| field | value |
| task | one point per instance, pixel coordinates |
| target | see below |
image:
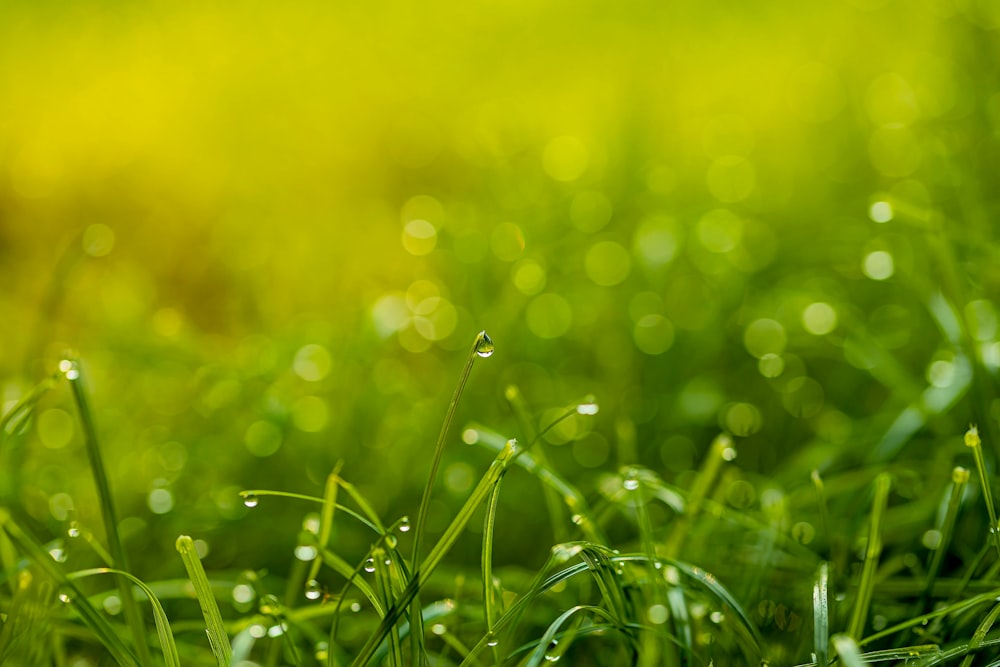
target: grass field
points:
(483, 334)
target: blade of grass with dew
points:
(980, 634)
(166, 637)
(489, 523)
(542, 650)
(482, 346)
(420, 575)
(959, 478)
(217, 637)
(973, 441)
(848, 650)
(253, 496)
(133, 617)
(873, 552)
(95, 621)
(821, 616)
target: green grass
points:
(644, 596)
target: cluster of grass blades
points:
(630, 580)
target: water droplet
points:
(587, 408)
(250, 499)
(313, 590)
(73, 530)
(484, 346)
(492, 640)
(716, 617)
(550, 652)
(370, 565)
(58, 554)
(306, 552)
(70, 369)
(631, 481)
(388, 561)
(577, 519)
(65, 598)
(404, 524)
(355, 607)
(439, 629)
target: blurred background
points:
(272, 232)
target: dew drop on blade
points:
(404, 524)
(492, 640)
(313, 590)
(484, 346)
(250, 499)
(370, 565)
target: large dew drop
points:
(250, 499)
(370, 565)
(484, 346)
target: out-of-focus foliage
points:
(272, 230)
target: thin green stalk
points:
(252, 496)
(217, 636)
(872, 554)
(972, 441)
(482, 346)
(133, 617)
(489, 610)
(959, 478)
(383, 584)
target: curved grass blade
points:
(250, 495)
(545, 650)
(973, 442)
(489, 590)
(90, 616)
(217, 636)
(166, 637)
(10, 420)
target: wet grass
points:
(639, 571)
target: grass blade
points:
(325, 526)
(872, 554)
(217, 637)
(821, 616)
(482, 346)
(973, 442)
(959, 478)
(489, 610)
(71, 368)
(166, 637)
(980, 634)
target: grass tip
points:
(972, 436)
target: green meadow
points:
(499, 334)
